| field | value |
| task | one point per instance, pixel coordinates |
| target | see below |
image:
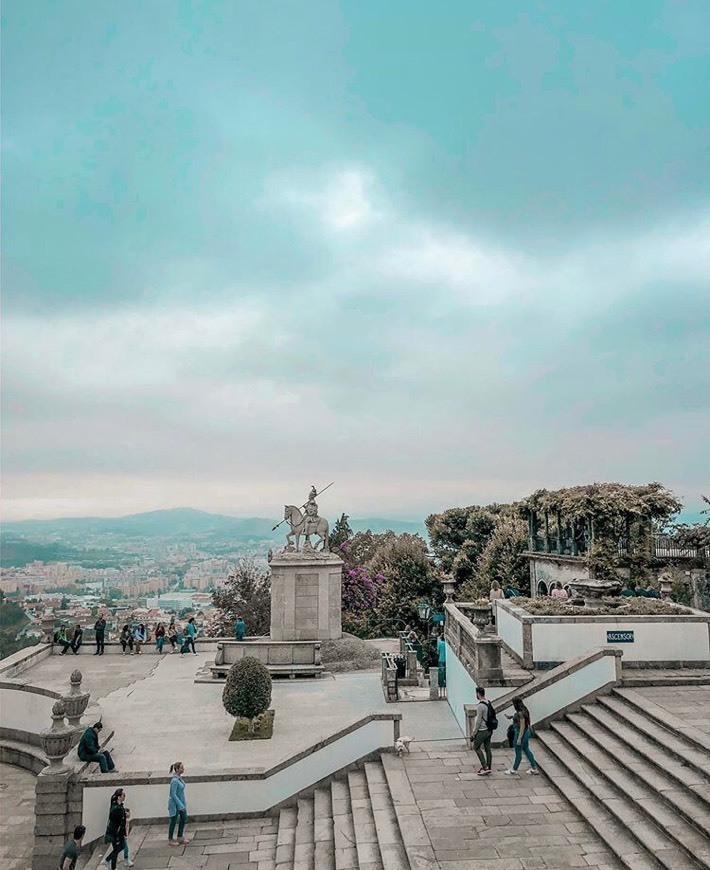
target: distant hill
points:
(180, 523)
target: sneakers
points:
(129, 863)
(174, 843)
(533, 772)
(511, 772)
(483, 771)
(183, 841)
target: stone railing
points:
(551, 694)
(478, 651)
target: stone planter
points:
(57, 740)
(481, 617)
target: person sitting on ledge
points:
(89, 749)
(630, 590)
(496, 593)
(558, 591)
(77, 639)
(650, 592)
(511, 592)
(60, 637)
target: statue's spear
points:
(273, 529)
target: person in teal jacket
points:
(89, 749)
(177, 805)
(240, 628)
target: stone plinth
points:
(489, 669)
(306, 596)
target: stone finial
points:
(449, 585)
(57, 740)
(76, 702)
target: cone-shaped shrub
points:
(247, 691)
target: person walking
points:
(522, 732)
(483, 728)
(89, 749)
(77, 639)
(139, 637)
(240, 628)
(177, 805)
(60, 637)
(108, 838)
(126, 639)
(172, 634)
(100, 629)
(72, 848)
(116, 829)
(191, 634)
(159, 636)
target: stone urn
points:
(481, 616)
(57, 740)
(449, 585)
(47, 625)
(666, 587)
(76, 702)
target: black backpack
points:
(491, 718)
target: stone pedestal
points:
(489, 668)
(306, 598)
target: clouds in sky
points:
(233, 270)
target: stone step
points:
(635, 805)
(368, 851)
(409, 818)
(675, 744)
(389, 839)
(651, 751)
(286, 838)
(659, 784)
(323, 829)
(343, 827)
(608, 828)
(676, 726)
(304, 849)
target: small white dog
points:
(401, 745)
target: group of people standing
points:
(180, 638)
(118, 826)
(519, 734)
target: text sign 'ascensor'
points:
(619, 637)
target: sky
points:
(439, 253)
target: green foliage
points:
(340, 534)
(247, 593)
(247, 691)
(607, 502)
(12, 620)
(502, 559)
(459, 537)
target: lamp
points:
(424, 611)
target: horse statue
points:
(305, 525)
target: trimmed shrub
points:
(247, 691)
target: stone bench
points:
(219, 672)
(280, 657)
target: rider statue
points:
(306, 524)
(311, 513)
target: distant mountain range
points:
(183, 522)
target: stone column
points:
(434, 684)
(306, 595)
(489, 669)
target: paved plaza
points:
(17, 817)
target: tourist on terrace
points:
(106, 860)
(496, 593)
(100, 629)
(72, 849)
(511, 592)
(558, 591)
(88, 749)
(522, 732)
(177, 805)
(630, 590)
(650, 592)
(190, 633)
(240, 628)
(116, 829)
(77, 638)
(60, 637)
(172, 634)
(140, 636)
(126, 639)
(159, 636)
(482, 733)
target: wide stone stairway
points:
(637, 776)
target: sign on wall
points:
(619, 637)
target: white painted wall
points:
(653, 641)
(240, 796)
(25, 711)
(510, 630)
(461, 688)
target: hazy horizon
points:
(441, 255)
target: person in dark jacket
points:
(77, 638)
(89, 749)
(100, 629)
(116, 827)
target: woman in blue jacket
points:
(177, 805)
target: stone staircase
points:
(640, 783)
(347, 824)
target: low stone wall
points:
(25, 711)
(646, 641)
(14, 665)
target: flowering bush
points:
(360, 589)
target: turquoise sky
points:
(442, 253)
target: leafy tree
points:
(341, 533)
(247, 593)
(361, 589)
(247, 691)
(502, 559)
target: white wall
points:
(240, 796)
(510, 630)
(25, 711)
(461, 688)
(653, 641)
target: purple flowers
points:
(360, 589)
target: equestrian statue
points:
(306, 524)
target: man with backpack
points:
(484, 725)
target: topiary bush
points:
(247, 691)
